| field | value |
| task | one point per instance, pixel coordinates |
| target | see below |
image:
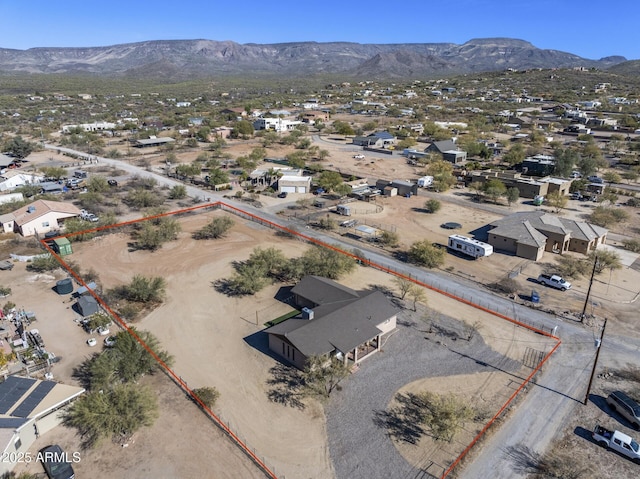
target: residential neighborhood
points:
(198, 231)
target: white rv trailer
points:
(469, 246)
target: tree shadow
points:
(404, 421)
(285, 386)
(82, 372)
(524, 460)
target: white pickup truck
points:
(617, 441)
(85, 215)
(554, 281)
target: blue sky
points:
(589, 28)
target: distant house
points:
(449, 151)
(293, 181)
(275, 124)
(39, 217)
(530, 234)
(12, 179)
(379, 139)
(335, 321)
(313, 117)
(29, 408)
(153, 141)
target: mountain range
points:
(183, 59)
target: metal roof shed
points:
(62, 246)
(87, 305)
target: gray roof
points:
(538, 219)
(523, 233)
(87, 305)
(583, 231)
(321, 290)
(154, 141)
(445, 145)
(5, 160)
(343, 324)
(385, 135)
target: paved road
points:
(558, 389)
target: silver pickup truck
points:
(554, 281)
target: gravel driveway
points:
(358, 446)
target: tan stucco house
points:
(335, 321)
(38, 218)
(530, 234)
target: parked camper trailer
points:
(425, 181)
(469, 246)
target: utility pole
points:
(586, 300)
(595, 363)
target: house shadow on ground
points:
(482, 233)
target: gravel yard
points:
(359, 444)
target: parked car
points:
(595, 179)
(112, 182)
(56, 463)
(85, 215)
(282, 194)
(110, 341)
(92, 342)
(625, 406)
(358, 157)
(554, 281)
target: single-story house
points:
(379, 139)
(292, 181)
(29, 408)
(449, 151)
(153, 141)
(530, 234)
(335, 321)
(39, 217)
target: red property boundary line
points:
(256, 218)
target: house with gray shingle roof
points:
(530, 234)
(449, 150)
(335, 320)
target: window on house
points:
(18, 444)
(45, 224)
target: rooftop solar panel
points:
(11, 390)
(29, 403)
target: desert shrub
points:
(208, 395)
(42, 264)
(632, 245)
(432, 206)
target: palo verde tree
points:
(216, 228)
(442, 172)
(322, 375)
(425, 254)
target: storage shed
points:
(87, 305)
(62, 246)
